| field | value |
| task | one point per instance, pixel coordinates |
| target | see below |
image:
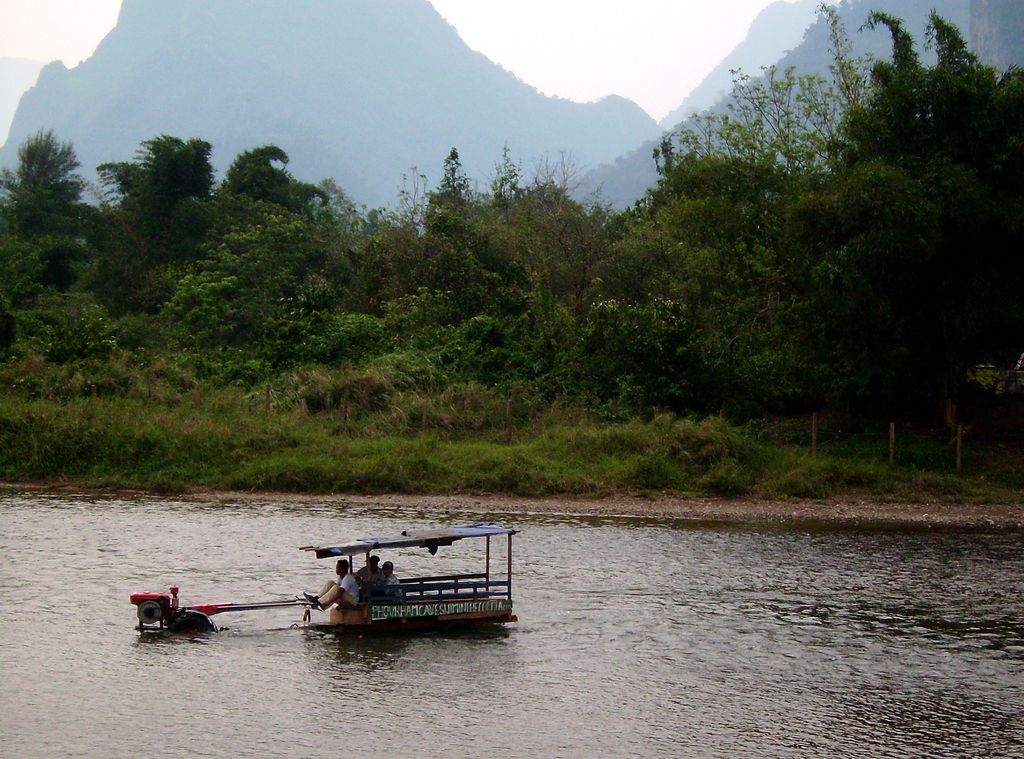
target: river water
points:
(635, 639)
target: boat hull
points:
(401, 618)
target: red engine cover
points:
(162, 598)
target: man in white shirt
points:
(344, 592)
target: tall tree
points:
(162, 192)
(920, 230)
(156, 220)
(454, 189)
(505, 186)
(43, 191)
(261, 174)
(42, 204)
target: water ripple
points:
(635, 640)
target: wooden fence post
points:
(814, 434)
(892, 443)
(267, 399)
(508, 420)
(959, 448)
(423, 421)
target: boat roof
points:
(429, 539)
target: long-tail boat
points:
(436, 602)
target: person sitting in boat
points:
(344, 592)
(390, 579)
(371, 574)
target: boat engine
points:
(152, 609)
(150, 612)
(159, 611)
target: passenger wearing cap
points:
(390, 579)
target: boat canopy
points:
(429, 539)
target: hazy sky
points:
(651, 51)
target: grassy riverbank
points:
(228, 440)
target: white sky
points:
(651, 51)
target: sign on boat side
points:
(440, 609)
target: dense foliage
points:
(854, 242)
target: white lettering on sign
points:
(442, 608)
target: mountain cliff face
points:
(358, 90)
(777, 29)
(625, 181)
(814, 53)
(997, 32)
(16, 76)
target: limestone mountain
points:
(997, 32)
(357, 90)
(776, 30)
(16, 76)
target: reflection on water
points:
(636, 639)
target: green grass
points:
(226, 439)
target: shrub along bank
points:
(464, 440)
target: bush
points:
(653, 471)
(410, 370)
(35, 377)
(324, 339)
(231, 367)
(727, 478)
(822, 477)
(28, 377)
(325, 390)
(140, 332)
(75, 330)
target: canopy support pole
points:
(510, 566)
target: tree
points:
(21, 271)
(505, 187)
(255, 174)
(42, 206)
(162, 192)
(715, 237)
(919, 232)
(856, 240)
(340, 211)
(154, 222)
(262, 265)
(454, 190)
(781, 120)
(564, 244)
(44, 191)
(642, 356)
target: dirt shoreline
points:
(849, 511)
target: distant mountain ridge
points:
(16, 76)
(626, 180)
(997, 31)
(777, 29)
(357, 90)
